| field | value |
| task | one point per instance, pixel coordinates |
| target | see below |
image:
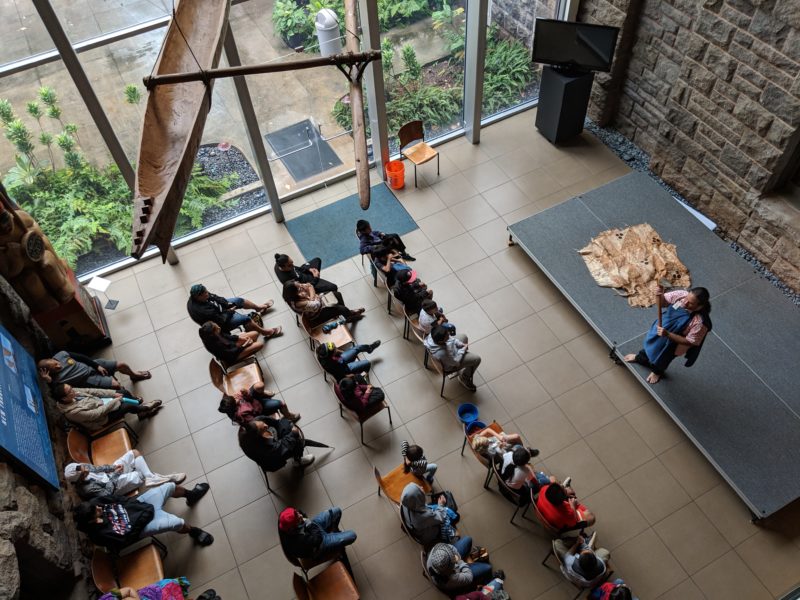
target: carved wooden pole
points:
(357, 105)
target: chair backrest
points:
(217, 375)
(300, 587)
(510, 493)
(135, 569)
(555, 532)
(381, 273)
(494, 426)
(413, 325)
(79, 446)
(103, 571)
(437, 364)
(411, 132)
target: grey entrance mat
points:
(302, 150)
(739, 403)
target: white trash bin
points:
(327, 26)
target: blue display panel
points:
(23, 425)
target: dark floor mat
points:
(302, 150)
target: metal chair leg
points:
(489, 474)
(388, 301)
(362, 432)
(415, 174)
(437, 164)
(425, 360)
(341, 412)
(515, 514)
(444, 378)
(463, 445)
(549, 554)
(389, 410)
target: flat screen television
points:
(574, 46)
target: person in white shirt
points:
(452, 352)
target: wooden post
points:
(357, 106)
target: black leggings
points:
(658, 369)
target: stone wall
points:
(711, 90)
(40, 552)
(517, 17)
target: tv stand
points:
(563, 100)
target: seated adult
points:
(616, 590)
(246, 405)
(318, 309)
(93, 409)
(518, 473)
(229, 348)
(316, 538)
(409, 290)
(452, 352)
(341, 363)
(560, 508)
(429, 523)
(448, 571)
(81, 371)
(286, 270)
(369, 240)
(390, 263)
(204, 306)
(272, 442)
(358, 396)
(128, 473)
(118, 521)
(490, 444)
(580, 564)
(431, 315)
(165, 589)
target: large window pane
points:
(510, 79)
(21, 31)
(84, 19)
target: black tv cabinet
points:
(563, 100)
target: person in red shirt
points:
(561, 509)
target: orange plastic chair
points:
(101, 449)
(418, 153)
(135, 570)
(497, 428)
(238, 377)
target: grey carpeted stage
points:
(740, 402)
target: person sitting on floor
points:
(341, 363)
(317, 538)
(580, 564)
(285, 270)
(118, 521)
(452, 352)
(390, 263)
(81, 371)
(414, 461)
(560, 508)
(616, 590)
(431, 315)
(429, 523)
(448, 571)
(204, 306)
(409, 290)
(128, 473)
(229, 348)
(489, 443)
(357, 396)
(369, 240)
(318, 309)
(517, 472)
(93, 409)
(270, 443)
(246, 405)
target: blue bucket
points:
(467, 413)
(473, 427)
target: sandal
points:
(203, 538)
(274, 332)
(141, 376)
(267, 305)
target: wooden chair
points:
(511, 495)
(136, 569)
(362, 418)
(237, 377)
(340, 335)
(334, 583)
(497, 428)
(439, 368)
(412, 326)
(98, 449)
(395, 480)
(418, 153)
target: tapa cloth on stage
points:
(630, 259)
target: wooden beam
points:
(357, 106)
(348, 58)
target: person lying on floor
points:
(118, 521)
(409, 290)
(369, 240)
(229, 348)
(81, 371)
(429, 523)
(286, 270)
(127, 474)
(204, 306)
(341, 363)
(93, 409)
(246, 405)
(318, 309)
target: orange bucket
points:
(396, 174)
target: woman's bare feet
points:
(629, 358)
(653, 378)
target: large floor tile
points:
(647, 565)
(441, 226)
(411, 395)
(178, 339)
(305, 493)
(454, 190)
(622, 389)
(690, 468)
(268, 571)
(654, 491)
(482, 278)
(557, 371)
(237, 484)
(564, 321)
(517, 557)
(376, 523)
(619, 447)
(178, 457)
(473, 212)
(497, 356)
(728, 513)
(200, 407)
(229, 586)
(655, 426)
(129, 324)
(348, 479)
(729, 577)
(538, 291)
(591, 353)
(505, 306)
(547, 428)
(168, 426)
(141, 354)
(587, 407)
(200, 565)
(461, 251)
(184, 370)
(519, 391)
(234, 249)
(252, 530)
(438, 432)
(396, 571)
(531, 337)
(579, 462)
(449, 293)
(312, 398)
(217, 445)
(398, 358)
(485, 176)
(514, 263)
(472, 321)
(250, 275)
(618, 519)
(293, 365)
(168, 307)
(492, 236)
(335, 431)
(691, 538)
(505, 198)
(773, 557)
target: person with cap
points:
(316, 538)
(341, 363)
(451, 574)
(270, 443)
(93, 409)
(409, 289)
(580, 563)
(286, 270)
(369, 240)
(317, 308)
(247, 404)
(81, 371)
(204, 306)
(452, 352)
(128, 473)
(117, 521)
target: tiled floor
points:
(675, 529)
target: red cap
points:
(289, 519)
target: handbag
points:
(256, 318)
(450, 500)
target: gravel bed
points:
(639, 160)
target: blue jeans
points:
(349, 357)
(481, 571)
(333, 541)
(236, 319)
